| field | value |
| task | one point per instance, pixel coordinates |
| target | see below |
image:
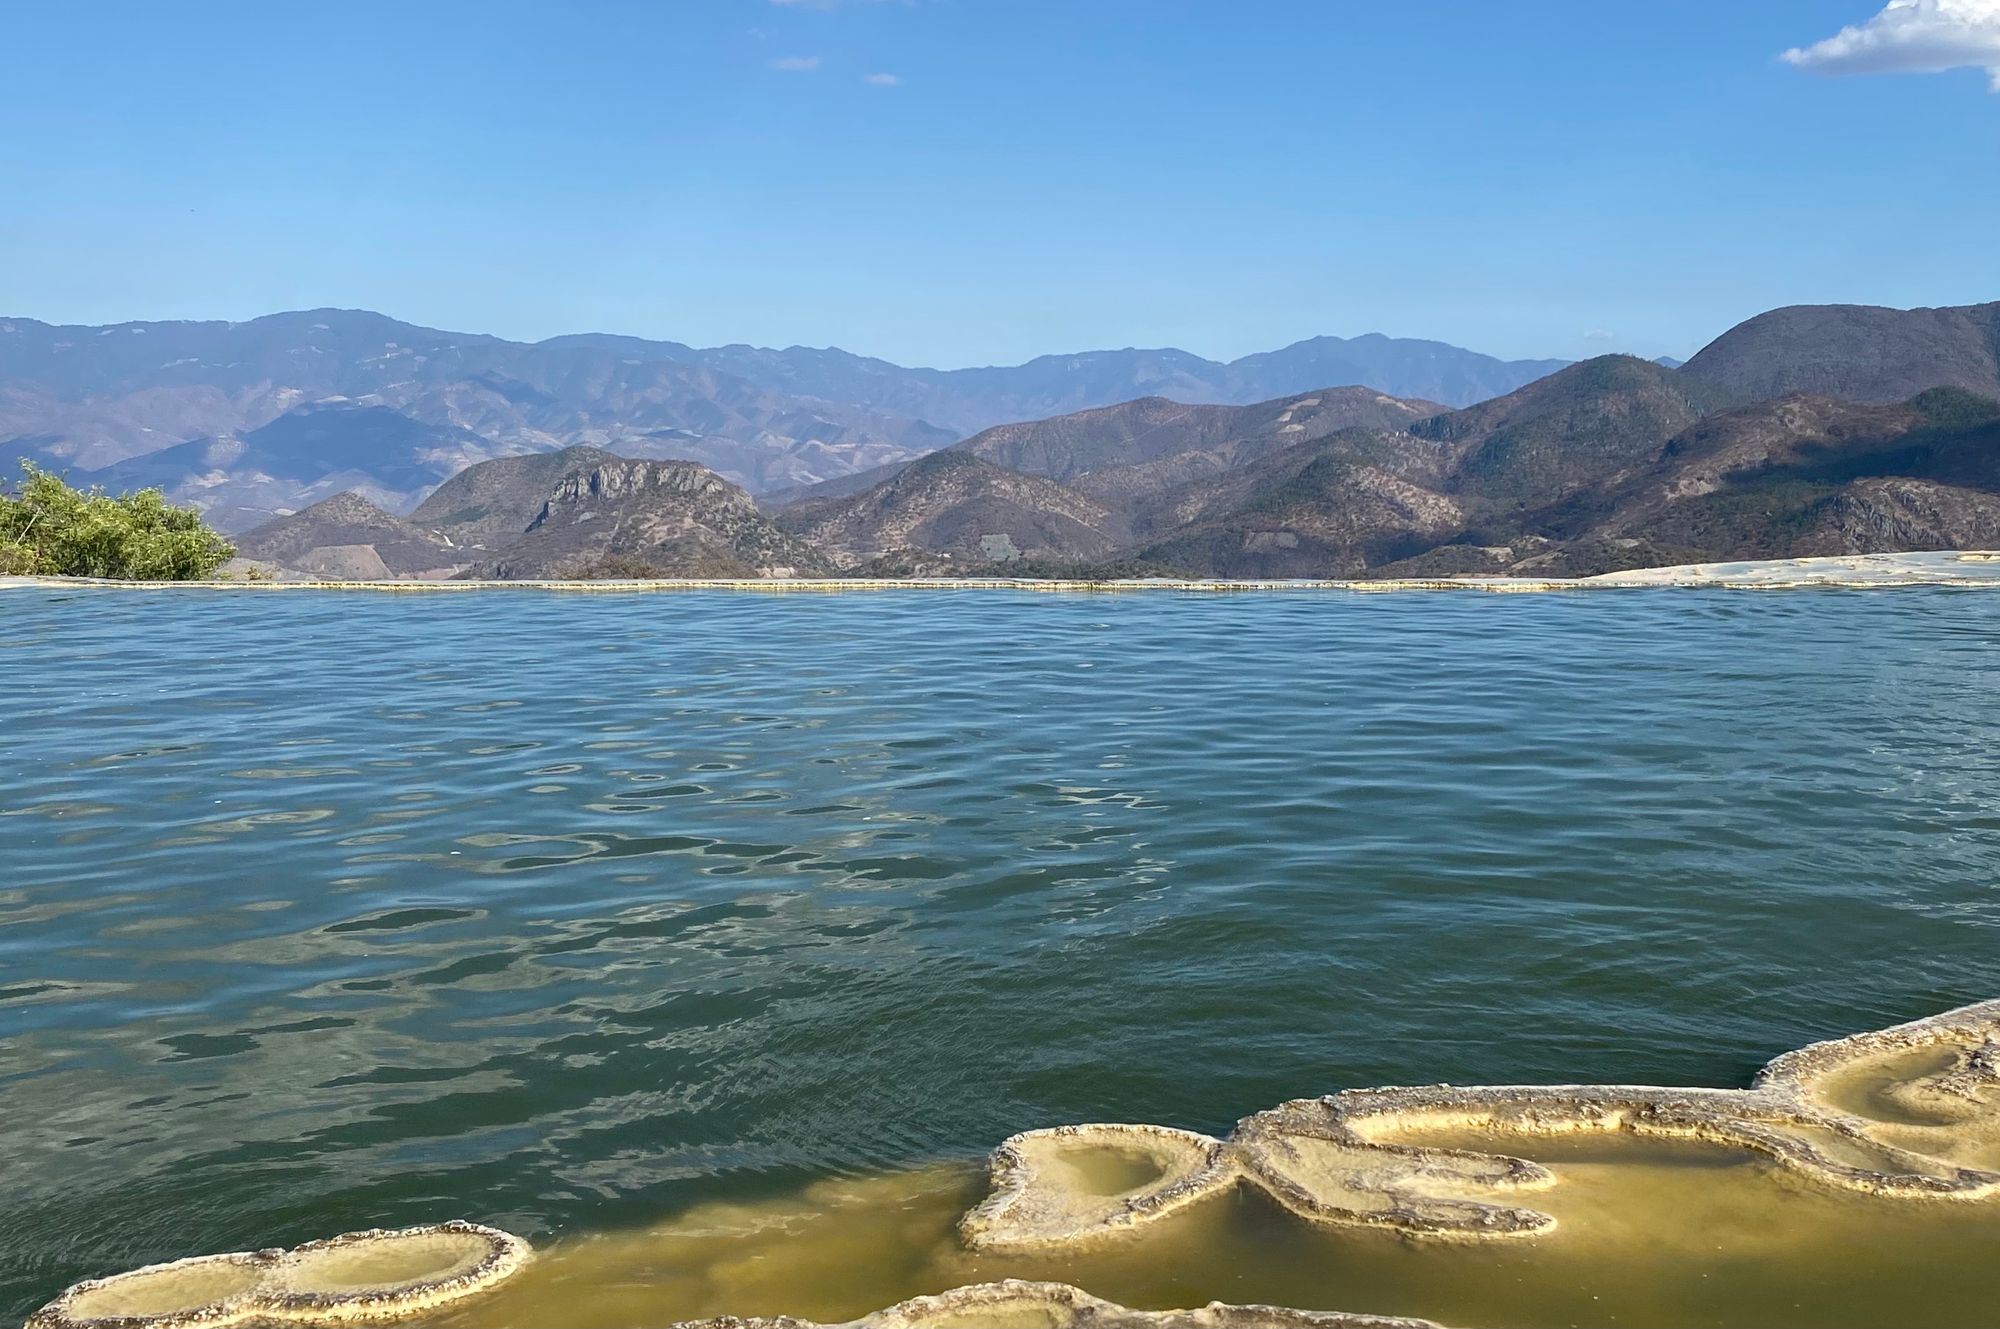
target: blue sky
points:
(1547, 177)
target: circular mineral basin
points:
(1105, 1171)
(386, 1264)
(171, 1289)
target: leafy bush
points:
(49, 529)
(1955, 408)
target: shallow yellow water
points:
(172, 1290)
(1108, 1172)
(1650, 1234)
(372, 1265)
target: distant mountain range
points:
(250, 420)
(1807, 430)
(325, 447)
(1614, 462)
(969, 400)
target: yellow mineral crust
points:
(1015, 1303)
(1073, 1182)
(1911, 1112)
(358, 1277)
(1906, 1114)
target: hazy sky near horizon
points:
(956, 182)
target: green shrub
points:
(49, 529)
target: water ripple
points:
(322, 912)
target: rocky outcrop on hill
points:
(491, 505)
(655, 518)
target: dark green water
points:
(325, 911)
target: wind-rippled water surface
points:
(567, 913)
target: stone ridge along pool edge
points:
(1977, 569)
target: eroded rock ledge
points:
(1907, 1113)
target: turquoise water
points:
(325, 911)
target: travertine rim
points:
(1334, 1159)
(1894, 1114)
(276, 1298)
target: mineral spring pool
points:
(710, 941)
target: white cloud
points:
(883, 80)
(1912, 37)
(1600, 334)
(796, 64)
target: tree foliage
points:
(49, 529)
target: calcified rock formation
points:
(1052, 1184)
(358, 1277)
(1911, 1112)
(1060, 1306)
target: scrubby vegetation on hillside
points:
(49, 529)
